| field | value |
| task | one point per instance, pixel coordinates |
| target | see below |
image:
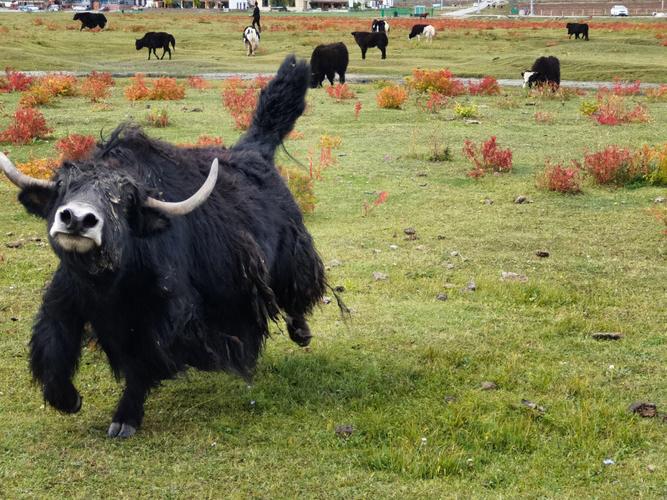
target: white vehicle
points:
(80, 7)
(619, 10)
(28, 8)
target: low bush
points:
(158, 119)
(357, 109)
(613, 165)
(487, 157)
(198, 83)
(340, 92)
(15, 81)
(137, 90)
(27, 124)
(487, 86)
(240, 99)
(544, 117)
(434, 103)
(440, 81)
(466, 110)
(613, 109)
(302, 187)
(561, 179)
(42, 168)
(75, 147)
(97, 86)
(163, 89)
(392, 97)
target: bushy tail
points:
(280, 105)
(173, 42)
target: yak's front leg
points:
(130, 410)
(55, 348)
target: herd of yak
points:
(176, 256)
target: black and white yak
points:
(379, 26)
(545, 71)
(366, 40)
(251, 40)
(326, 61)
(156, 40)
(577, 29)
(90, 20)
(419, 30)
(175, 257)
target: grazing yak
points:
(251, 40)
(156, 40)
(175, 257)
(366, 40)
(419, 30)
(90, 20)
(545, 71)
(327, 60)
(379, 26)
(577, 29)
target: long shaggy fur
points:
(327, 60)
(196, 290)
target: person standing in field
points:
(255, 18)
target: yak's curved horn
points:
(186, 206)
(19, 178)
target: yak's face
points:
(139, 44)
(96, 211)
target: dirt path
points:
(350, 78)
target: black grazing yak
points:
(174, 256)
(327, 60)
(379, 26)
(545, 71)
(577, 29)
(366, 40)
(90, 20)
(156, 40)
(419, 30)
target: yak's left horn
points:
(186, 206)
(19, 178)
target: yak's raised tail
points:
(280, 104)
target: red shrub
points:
(75, 147)
(198, 83)
(434, 103)
(612, 109)
(612, 165)
(240, 100)
(28, 124)
(367, 208)
(205, 141)
(561, 179)
(544, 117)
(622, 88)
(357, 110)
(392, 97)
(487, 157)
(340, 92)
(15, 81)
(440, 81)
(487, 86)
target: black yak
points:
(156, 40)
(90, 20)
(419, 30)
(366, 40)
(379, 26)
(577, 29)
(327, 60)
(166, 278)
(545, 71)
(251, 40)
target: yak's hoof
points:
(77, 406)
(118, 430)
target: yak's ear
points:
(149, 222)
(37, 200)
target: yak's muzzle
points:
(77, 227)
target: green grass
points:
(209, 42)
(390, 370)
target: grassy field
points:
(405, 371)
(210, 42)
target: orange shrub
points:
(392, 97)
(59, 85)
(42, 168)
(167, 89)
(302, 187)
(158, 119)
(75, 147)
(340, 92)
(440, 81)
(97, 86)
(36, 96)
(240, 99)
(197, 82)
(137, 90)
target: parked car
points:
(54, 8)
(80, 7)
(619, 10)
(28, 8)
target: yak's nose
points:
(78, 219)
